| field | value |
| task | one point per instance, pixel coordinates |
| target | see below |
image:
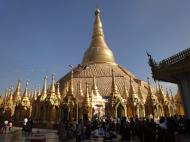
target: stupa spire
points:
(125, 92)
(159, 88)
(171, 96)
(131, 96)
(44, 91)
(39, 92)
(86, 102)
(160, 95)
(35, 95)
(149, 99)
(53, 83)
(6, 95)
(17, 94)
(71, 89)
(31, 95)
(11, 94)
(26, 91)
(98, 52)
(94, 87)
(98, 29)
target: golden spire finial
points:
(95, 88)
(171, 96)
(44, 91)
(98, 30)
(6, 95)
(31, 95)
(160, 90)
(25, 102)
(53, 83)
(17, 94)
(71, 89)
(125, 93)
(160, 95)
(39, 91)
(10, 94)
(159, 87)
(97, 11)
(34, 96)
(86, 102)
(26, 92)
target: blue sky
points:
(39, 37)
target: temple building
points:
(175, 69)
(96, 87)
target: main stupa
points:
(99, 62)
(120, 93)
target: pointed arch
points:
(120, 105)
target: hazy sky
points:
(39, 37)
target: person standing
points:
(24, 124)
(10, 125)
(5, 126)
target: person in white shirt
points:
(5, 126)
(10, 125)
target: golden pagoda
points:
(8, 105)
(23, 109)
(52, 103)
(98, 87)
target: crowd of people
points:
(5, 126)
(147, 130)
